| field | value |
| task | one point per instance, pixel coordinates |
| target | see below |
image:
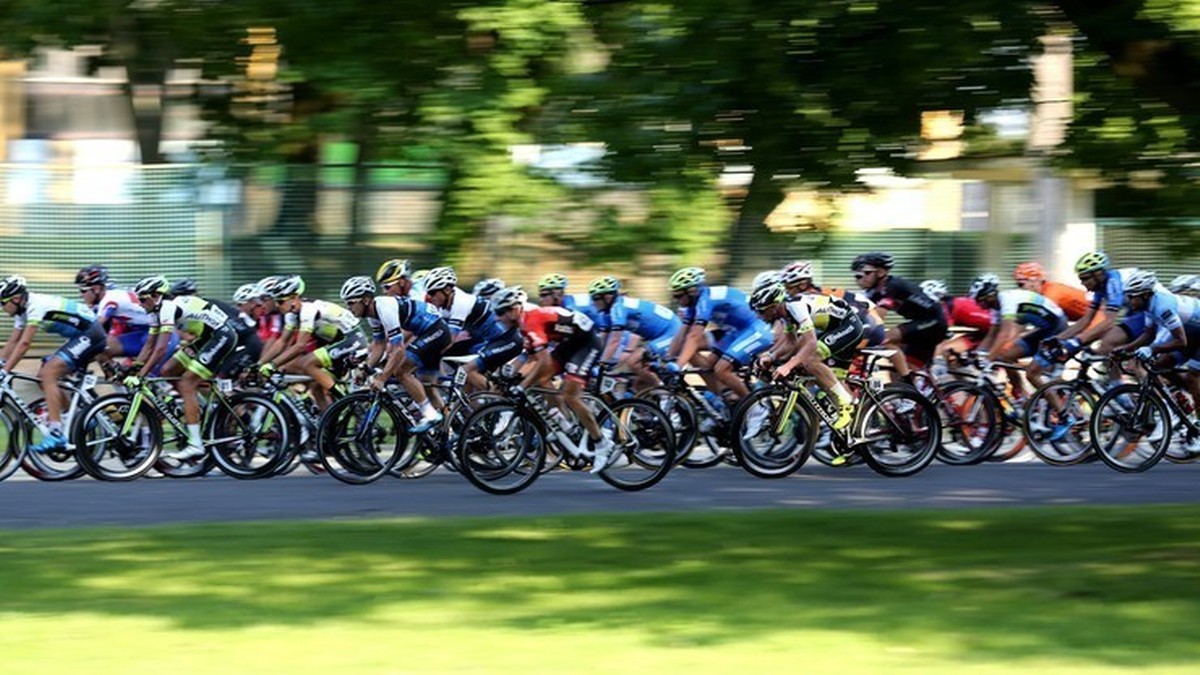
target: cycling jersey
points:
(906, 299)
(545, 325)
(55, 314)
(1073, 301)
(394, 315)
(724, 307)
(119, 312)
(270, 326)
(824, 312)
(964, 311)
(838, 328)
(1029, 309)
(326, 321)
(1170, 311)
(582, 302)
(473, 315)
(1112, 294)
(643, 318)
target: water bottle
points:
(716, 403)
(1185, 402)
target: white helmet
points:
(439, 278)
(507, 298)
(1184, 283)
(1141, 281)
(155, 284)
(356, 287)
(245, 293)
(764, 279)
(797, 271)
(984, 284)
(935, 288)
(488, 287)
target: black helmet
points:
(874, 259)
(92, 275)
(183, 287)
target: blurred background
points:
(225, 141)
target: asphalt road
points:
(25, 503)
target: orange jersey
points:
(1073, 301)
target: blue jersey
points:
(1170, 312)
(722, 306)
(640, 317)
(474, 315)
(582, 303)
(1112, 294)
(396, 315)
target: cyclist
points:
(959, 311)
(389, 318)
(742, 334)
(1013, 310)
(645, 328)
(333, 329)
(1031, 276)
(1172, 334)
(552, 292)
(925, 328)
(821, 331)
(1107, 287)
(117, 311)
(183, 287)
(271, 321)
(474, 323)
(559, 341)
(213, 339)
(70, 319)
(395, 278)
(1186, 285)
(797, 280)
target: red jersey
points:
(964, 311)
(543, 325)
(270, 326)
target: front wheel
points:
(111, 445)
(54, 465)
(972, 423)
(1130, 431)
(642, 434)
(897, 432)
(1057, 423)
(501, 448)
(768, 439)
(12, 442)
(361, 437)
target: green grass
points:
(1039, 590)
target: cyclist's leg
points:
(738, 350)
(577, 358)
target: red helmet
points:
(1030, 271)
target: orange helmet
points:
(1030, 271)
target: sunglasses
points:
(542, 294)
(859, 275)
(84, 289)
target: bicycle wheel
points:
(1058, 445)
(898, 433)
(12, 445)
(361, 437)
(1130, 432)
(54, 465)
(643, 436)
(972, 423)
(501, 449)
(248, 438)
(112, 447)
(769, 442)
(684, 424)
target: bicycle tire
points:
(250, 422)
(1112, 422)
(964, 434)
(643, 435)
(106, 416)
(1069, 450)
(351, 455)
(520, 456)
(890, 423)
(791, 441)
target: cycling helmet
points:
(92, 275)
(152, 285)
(1030, 271)
(874, 259)
(1141, 281)
(935, 288)
(11, 287)
(440, 278)
(245, 293)
(602, 285)
(983, 285)
(357, 287)
(285, 287)
(767, 296)
(764, 279)
(552, 282)
(507, 298)
(688, 277)
(1091, 262)
(1184, 283)
(183, 287)
(393, 270)
(795, 272)
(488, 287)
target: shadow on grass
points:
(1107, 586)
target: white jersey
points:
(325, 320)
(119, 311)
(56, 314)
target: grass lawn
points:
(998, 591)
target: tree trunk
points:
(364, 138)
(762, 196)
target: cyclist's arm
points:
(377, 351)
(293, 350)
(993, 333)
(692, 341)
(153, 351)
(10, 345)
(677, 341)
(635, 342)
(541, 363)
(611, 346)
(1087, 335)
(1004, 335)
(23, 339)
(396, 354)
(277, 345)
(806, 350)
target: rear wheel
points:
(899, 433)
(1058, 423)
(111, 445)
(642, 434)
(1130, 431)
(361, 437)
(501, 449)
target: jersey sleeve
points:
(166, 316)
(800, 318)
(1164, 311)
(308, 317)
(618, 315)
(1009, 300)
(703, 310)
(533, 324)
